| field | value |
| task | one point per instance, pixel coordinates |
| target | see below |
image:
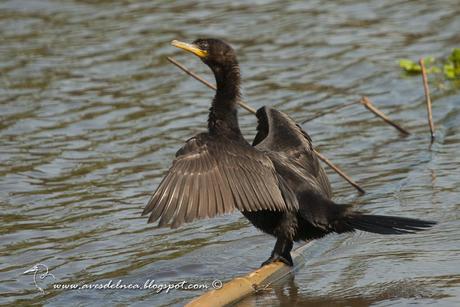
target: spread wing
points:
(285, 140)
(212, 176)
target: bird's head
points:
(215, 53)
(32, 270)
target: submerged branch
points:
(340, 172)
(368, 104)
(427, 98)
(320, 114)
(207, 83)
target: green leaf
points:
(433, 70)
(450, 68)
(455, 56)
(429, 60)
(405, 63)
(449, 71)
(409, 66)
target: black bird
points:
(278, 183)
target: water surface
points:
(91, 115)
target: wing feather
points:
(194, 196)
(170, 200)
(184, 185)
(226, 196)
(212, 176)
(203, 206)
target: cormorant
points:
(278, 183)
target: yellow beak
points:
(190, 48)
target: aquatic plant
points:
(450, 66)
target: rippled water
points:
(91, 114)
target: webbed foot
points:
(286, 259)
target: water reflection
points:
(91, 114)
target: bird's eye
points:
(204, 45)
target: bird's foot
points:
(286, 259)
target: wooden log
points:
(258, 280)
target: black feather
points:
(383, 224)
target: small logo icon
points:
(217, 284)
(42, 272)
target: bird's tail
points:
(381, 224)
(327, 216)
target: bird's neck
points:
(223, 116)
